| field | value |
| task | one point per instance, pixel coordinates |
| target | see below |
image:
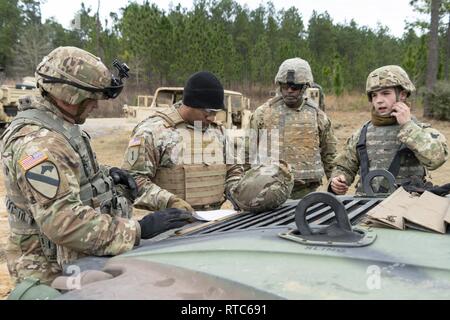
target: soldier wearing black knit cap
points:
(179, 153)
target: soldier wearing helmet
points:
(392, 140)
(183, 151)
(306, 139)
(62, 204)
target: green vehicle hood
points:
(259, 264)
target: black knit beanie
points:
(203, 90)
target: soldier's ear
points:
(403, 95)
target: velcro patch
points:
(33, 160)
(44, 178)
(135, 142)
(132, 155)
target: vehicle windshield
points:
(168, 98)
(236, 103)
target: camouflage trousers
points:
(31, 262)
(301, 189)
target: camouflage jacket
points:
(323, 136)
(428, 145)
(42, 179)
(154, 146)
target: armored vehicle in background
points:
(9, 99)
(237, 113)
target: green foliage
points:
(243, 47)
(9, 19)
(439, 100)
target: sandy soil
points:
(110, 138)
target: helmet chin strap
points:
(76, 118)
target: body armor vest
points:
(96, 188)
(200, 182)
(382, 146)
(299, 143)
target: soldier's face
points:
(291, 94)
(89, 105)
(383, 100)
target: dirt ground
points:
(110, 137)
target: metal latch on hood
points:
(339, 234)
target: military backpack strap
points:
(404, 151)
(361, 149)
(72, 135)
(42, 117)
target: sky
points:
(390, 13)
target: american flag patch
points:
(135, 142)
(30, 161)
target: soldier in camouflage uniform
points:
(62, 204)
(264, 187)
(183, 151)
(392, 140)
(306, 138)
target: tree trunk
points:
(447, 55)
(432, 61)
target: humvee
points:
(237, 113)
(9, 99)
(319, 247)
(265, 256)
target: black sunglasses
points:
(293, 86)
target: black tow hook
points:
(339, 233)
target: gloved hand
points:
(178, 203)
(123, 177)
(160, 221)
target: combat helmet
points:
(74, 75)
(263, 187)
(388, 77)
(296, 71)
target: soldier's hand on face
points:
(178, 203)
(339, 185)
(160, 221)
(402, 112)
(123, 177)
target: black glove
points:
(123, 177)
(160, 221)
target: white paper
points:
(213, 214)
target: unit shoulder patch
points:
(133, 154)
(44, 178)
